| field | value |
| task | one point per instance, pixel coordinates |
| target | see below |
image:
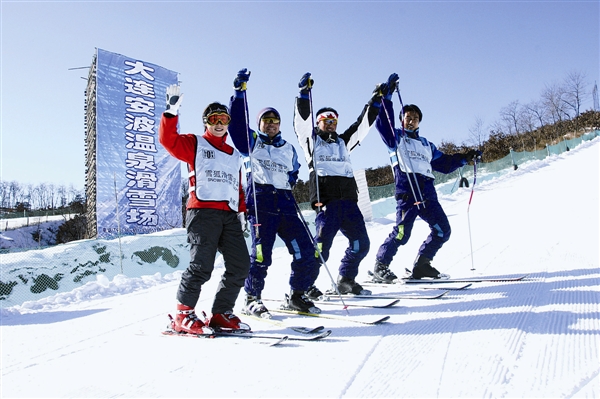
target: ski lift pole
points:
(118, 221)
(469, 208)
(256, 224)
(316, 246)
(318, 204)
(420, 199)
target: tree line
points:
(17, 197)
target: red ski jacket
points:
(184, 148)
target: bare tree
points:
(537, 109)
(552, 98)
(61, 192)
(477, 133)
(4, 194)
(575, 87)
(595, 97)
(510, 116)
(51, 195)
(17, 193)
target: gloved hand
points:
(243, 222)
(381, 90)
(174, 98)
(306, 83)
(239, 83)
(471, 155)
(392, 84)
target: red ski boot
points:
(186, 321)
(228, 322)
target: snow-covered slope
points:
(536, 338)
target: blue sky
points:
(457, 60)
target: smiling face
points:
(411, 120)
(269, 124)
(217, 123)
(217, 130)
(328, 124)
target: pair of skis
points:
(481, 279)
(277, 338)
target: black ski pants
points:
(209, 230)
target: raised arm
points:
(239, 130)
(385, 119)
(181, 146)
(303, 123)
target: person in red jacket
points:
(215, 209)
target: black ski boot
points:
(383, 274)
(422, 268)
(313, 293)
(299, 301)
(255, 307)
(348, 285)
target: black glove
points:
(471, 155)
(306, 83)
(381, 90)
(392, 84)
(240, 81)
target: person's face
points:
(411, 120)
(217, 124)
(328, 125)
(269, 124)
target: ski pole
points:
(316, 246)
(420, 199)
(250, 148)
(400, 159)
(314, 159)
(468, 209)
(458, 178)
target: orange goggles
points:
(218, 117)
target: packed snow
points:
(535, 338)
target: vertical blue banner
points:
(137, 181)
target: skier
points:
(214, 212)
(270, 203)
(413, 160)
(334, 196)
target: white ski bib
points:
(217, 174)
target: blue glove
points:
(306, 83)
(239, 83)
(174, 98)
(392, 84)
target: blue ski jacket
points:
(270, 159)
(406, 156)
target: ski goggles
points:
(270, 120)
(218, 117)
(329, 121)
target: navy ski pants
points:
(406, 213)
(293, 233)
(344, 216)
(209, 230)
